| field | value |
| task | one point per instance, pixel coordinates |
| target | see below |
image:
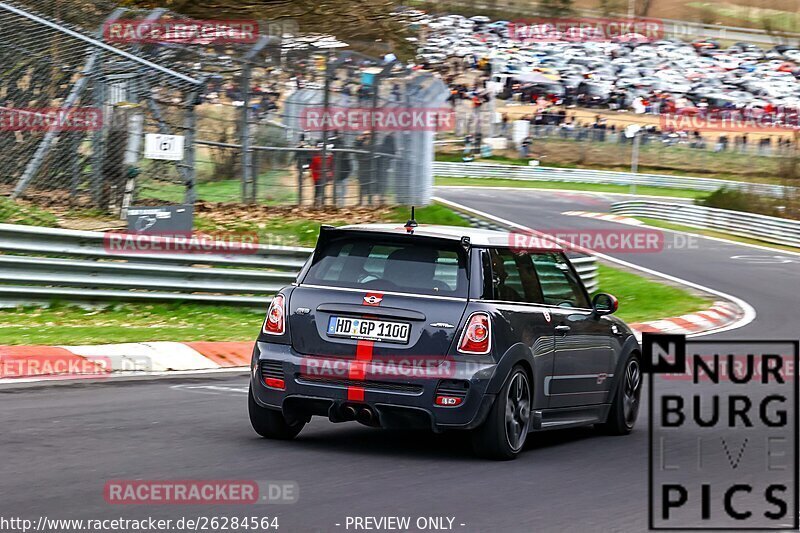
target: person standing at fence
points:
(364, 171)
(342, 167)
(385, 163)
(525, 147)
(302, 159)
(320, 179)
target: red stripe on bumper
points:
(364, 350)
(355, 394)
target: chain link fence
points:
(55, 72)
(288, 156)
(240, 109)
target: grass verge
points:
(71, 325)
(643, 299)
(271, 190)
(562, 185)
(12, 212)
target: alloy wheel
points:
(518, 411)
(632, 388)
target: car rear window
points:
(387, 265)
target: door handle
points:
(563, 329)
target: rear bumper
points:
(400, 402)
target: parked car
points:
(519, 49)
(443, 328)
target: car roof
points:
(477, 236)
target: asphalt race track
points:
(767, 280)
(61, 444)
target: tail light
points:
(275, 323)
(275, 383)
(476, 339)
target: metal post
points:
(76, 176)
(373, 161)
(325, 104)
(98, 146)
(492, 101)
(255, 160)
(248, 180)
(189, 148)
(635, 160)
(300, 176)
(403, 176)
(132, 151)
(247, 176)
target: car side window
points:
(514, 277)
(559, 285)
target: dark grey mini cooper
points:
(443, 328)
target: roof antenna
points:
(412, 223)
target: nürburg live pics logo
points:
(723, 434)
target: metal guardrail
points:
(573, 175)
(43, 265)
(764, 228)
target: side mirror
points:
(604, 304)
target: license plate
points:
(368, 329)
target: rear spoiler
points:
(328, 232)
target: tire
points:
(627, 399)
(496, 437)
(270, 423)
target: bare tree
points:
(555, 8)
(365, 21)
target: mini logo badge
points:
(372, 299)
